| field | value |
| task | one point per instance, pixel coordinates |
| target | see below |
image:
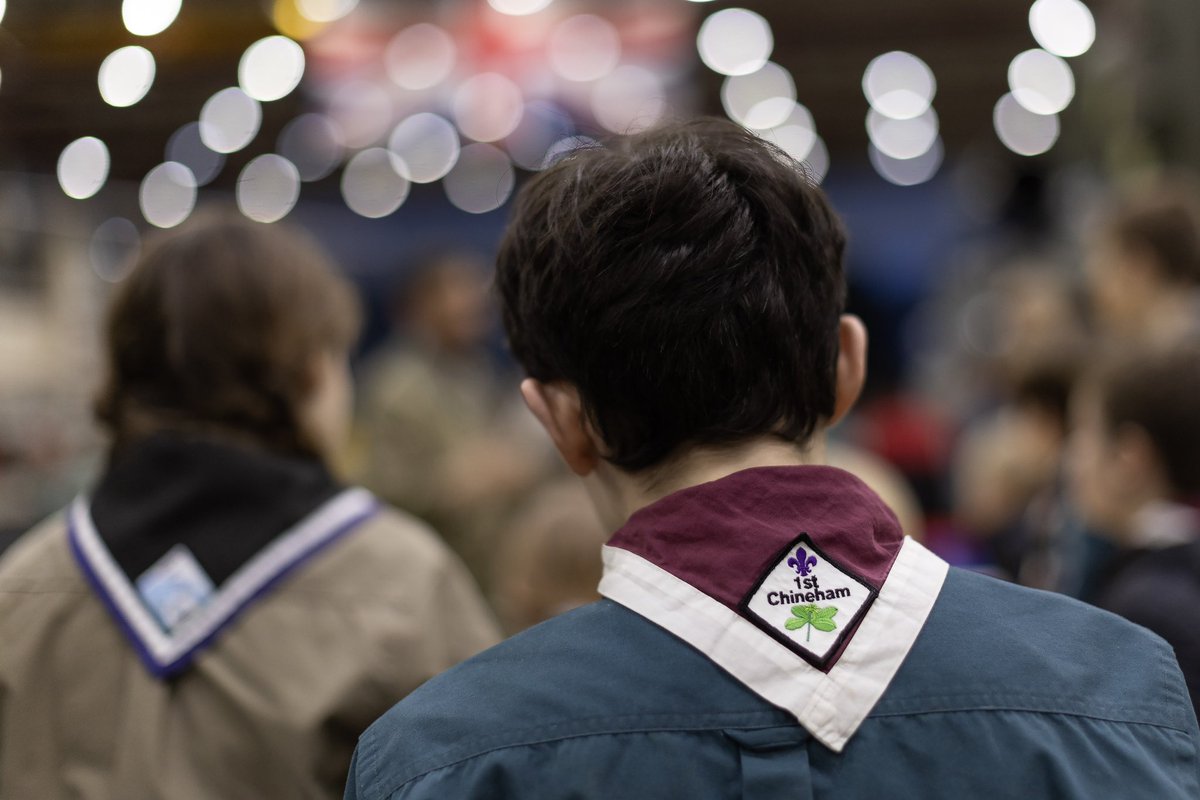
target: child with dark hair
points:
(1143, 268)
(766, 630)
(1135, 466)
(219, 616)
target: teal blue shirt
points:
(1007, 693)
(888, 676)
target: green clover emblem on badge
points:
(812, 616)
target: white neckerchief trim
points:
(328, 520)
(831, 706)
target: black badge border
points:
(746, 612)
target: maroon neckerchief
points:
(722, 537)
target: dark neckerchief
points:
(223, 501)
(183, 534)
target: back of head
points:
(217, 329)
(548, 559)
(1155, 391)
(1163, 224)
(444, 300)
(687, 281)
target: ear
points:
(851, 365)
(326, 409)
(558, 408)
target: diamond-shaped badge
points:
(808, 602)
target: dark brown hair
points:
(1156, 391)
(1163, 223)
(216, 329)
(687, 280)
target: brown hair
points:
(216, 328)
(1156, 391)
(1165, 224)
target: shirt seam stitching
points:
(1017, 710)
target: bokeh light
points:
(271, 68)
(519, 8)
(288, 20)
(186, 147)
(1064, 27)
(902, 138)
(817, 162)
(126, 75)
(3, 9)
(371, 184)
(83, 167)
(426, 145)
(628, 100)
(114, 246)
(797, 136)
(899, 85)
(229, 120)
(769, 113)
(167, 195)
(565, 146)
(542, 125)
(907, 171)
(325, 10)
(314, 143)
(149, 17)
(762, 99)
(1021, 130)
(584, 48)
(481, 181)
(364, 110)
(267, 188)
(420, 56)
(1041, 81)
(735, 41)
(488, 107)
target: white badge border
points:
(830, 705)
(165, 652)
(796, 647)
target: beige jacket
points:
(271, 710)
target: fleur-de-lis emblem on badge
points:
(802, 562)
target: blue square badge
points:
(174, 587)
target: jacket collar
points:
(747, 569)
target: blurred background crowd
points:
(1015, 177)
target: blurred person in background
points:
(219, 616)
(1135, 470)
(440, 433)
(1007, 487)
(1143, 267)
(766, 630)
(1009, 491)
(548, 558)
(884, 479)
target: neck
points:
(618, 494)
